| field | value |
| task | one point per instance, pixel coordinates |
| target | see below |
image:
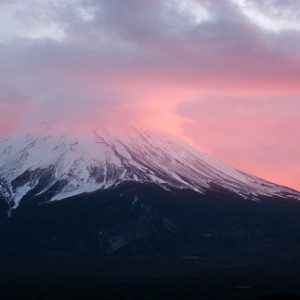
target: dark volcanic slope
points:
(139, 218)
(139, 241)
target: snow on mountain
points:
(61, 165)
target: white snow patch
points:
(105, 159)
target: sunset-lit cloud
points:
(223, 74)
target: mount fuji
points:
(124, 190)
(58, 166)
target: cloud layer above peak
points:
(225, 74)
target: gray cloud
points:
(87, 52)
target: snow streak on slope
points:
(63, 165)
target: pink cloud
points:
(257, 135)
(11, 116)
(226, 84)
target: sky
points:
(223, 74)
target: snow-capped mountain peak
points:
(61, 165)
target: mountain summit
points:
(125, 191)
(61, 165)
